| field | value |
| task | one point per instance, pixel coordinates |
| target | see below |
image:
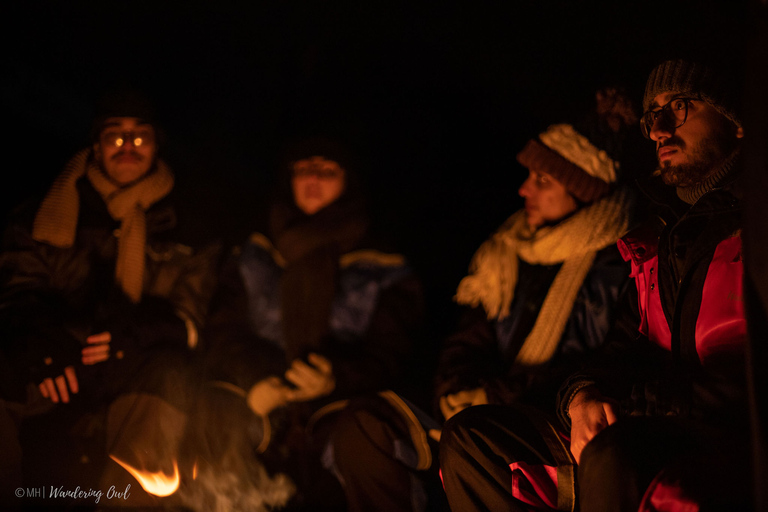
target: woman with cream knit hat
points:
(540, 296)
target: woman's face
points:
(316, 183)
(546, 199)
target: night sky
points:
(436, 97)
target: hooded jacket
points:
(317, 283)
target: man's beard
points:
(703, 159)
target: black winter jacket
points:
(679, 380)
(482, 352)
(51, 299)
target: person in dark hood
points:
(313, 313)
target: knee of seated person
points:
(467, 418)
(608, 449)
(359, 429)
(457, 431)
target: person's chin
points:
(533, 221)
(127, 174)
(310, 207)
(678, 176)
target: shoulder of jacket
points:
(260, 242)
(372, 257)
(609, 256)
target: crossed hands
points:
(590, 413)
(311, 381)
(59, 388)
(457, 402)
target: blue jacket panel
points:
(363, 275)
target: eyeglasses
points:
(117, 139)
(676, 112)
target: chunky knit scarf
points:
(574, 242)
(56, 220)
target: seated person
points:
(539, 298)
(659, 420)
(101, 286)
(314, 313)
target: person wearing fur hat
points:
(659, 421)
(312, 313)
(538, 299)
(98, 281)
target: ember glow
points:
(158, 483)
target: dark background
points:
(437, 97)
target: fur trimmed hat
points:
(696, 80)
(586, 171)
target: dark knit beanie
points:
(695, 80)
(326, 147)
(586, 171)
(123, 103)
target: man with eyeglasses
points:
(99, 285)
(661, 419)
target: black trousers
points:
(478, 445)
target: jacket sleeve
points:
(614, 369)
(39, 331)
(183, 283)
(470, 357)
(233, 351)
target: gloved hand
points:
(267, 395)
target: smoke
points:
(224, 471)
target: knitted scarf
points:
(574, 242)
(311, 246)
(56, 219)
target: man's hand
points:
(267, 395)
(311, 381)
(97, 349)
(58, 389)
(590, 413)
(457, 402)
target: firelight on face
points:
(546, 199)
(316, 183)
(126, 149)
(689, 152)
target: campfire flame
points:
(157, 483)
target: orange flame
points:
(194, 471)
(158, 483)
